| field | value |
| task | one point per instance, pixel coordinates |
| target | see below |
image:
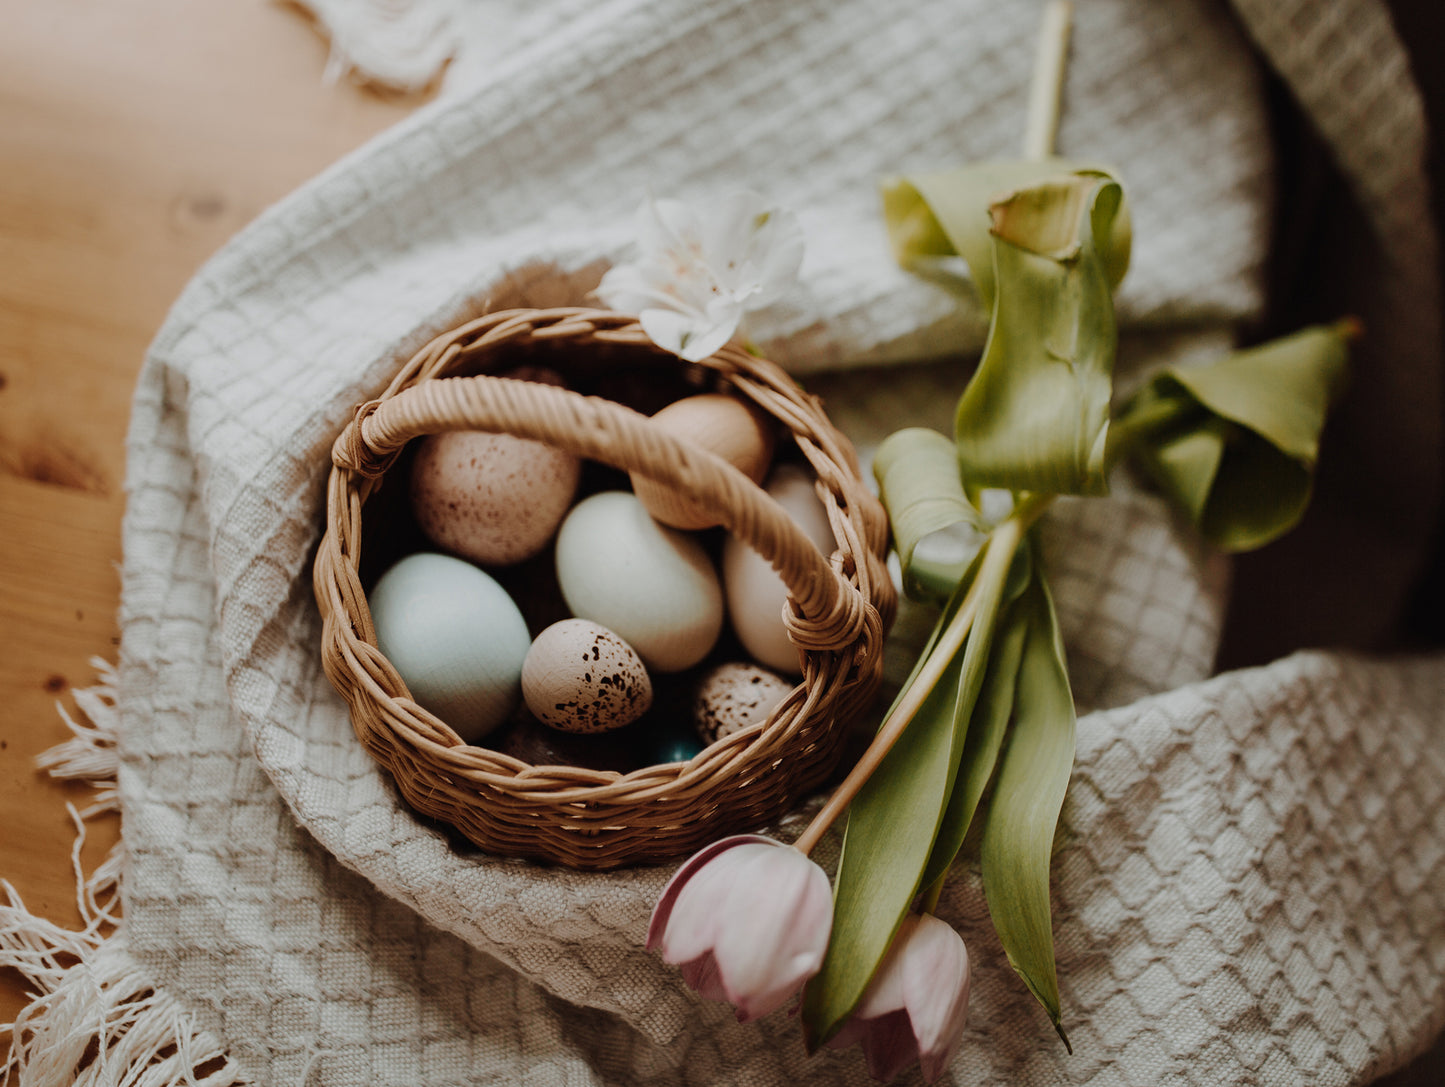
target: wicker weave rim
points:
(586, 818)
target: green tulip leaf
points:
(1233, 443)
(894, 819)
(1035, 416)
(937, 531)
(946, 213)
(987, 728)
(1028, 794)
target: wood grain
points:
(135, 139)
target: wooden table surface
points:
(135, 138)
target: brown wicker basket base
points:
(840, 605)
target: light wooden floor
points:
(136, 136)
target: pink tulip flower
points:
(917, 1003)
(747, 919)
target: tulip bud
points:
(747, 919)
(917, 1003)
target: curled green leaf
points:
(1233, 443)
(937, 531)
(1028, 794)
(1035, 415)
(946, 213)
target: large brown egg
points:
(734, 429)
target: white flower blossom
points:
(699, 270)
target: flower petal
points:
(665, 225)
(754, 249)
(662, 912)
(784, 908)
(935, 984)
(885, 991)
(778, 256)
(889, 1045)
(732, 235)
(721, 899)
(747, 918)
(688, 336)
(852, 1032)
(917, 1002)
(702, 975)
(626, 289)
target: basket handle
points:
(830, 613)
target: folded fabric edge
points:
(398, 47)
(95, 1018)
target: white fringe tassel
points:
(90, 755)
(95, 1020)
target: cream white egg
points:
(456, 638)
(653, 585)
(755, 593)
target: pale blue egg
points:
(456, 638)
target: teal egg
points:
(675, 747)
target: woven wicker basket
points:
(584, 818)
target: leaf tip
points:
(1059, 1029)
(813, 1019)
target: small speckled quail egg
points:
(733, 428)
(581, 677)
(653, 585)
(493, 498)
(735, 696)
(756, 594)
(456, 638)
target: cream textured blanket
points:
(1249, 867)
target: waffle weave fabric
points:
(1249, 866)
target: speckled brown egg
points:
(735, 696)
(581, 677)
(495, 499)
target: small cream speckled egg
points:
(581, 677)
(735, 696)
(653, 585)
(455, 637)
(493, 498)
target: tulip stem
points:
(1045, 92)
(929, 902)
(1127, 430)
(997, 557)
